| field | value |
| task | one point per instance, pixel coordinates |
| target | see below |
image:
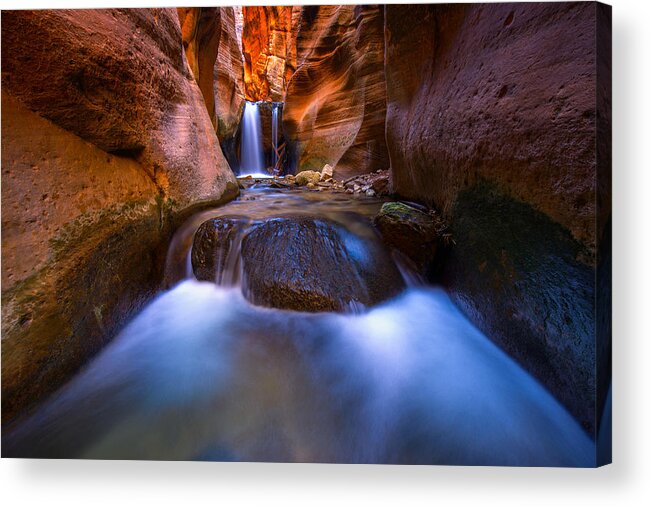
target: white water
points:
(274, 133)
(201, 373)
(252, 157)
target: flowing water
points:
(201, 373)
(252, 159)
(274, 133)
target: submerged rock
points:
(416, 233)
(308, 264)
(304, 178)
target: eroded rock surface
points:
(418, 234)
(298, 263)
(335, 106)
(268, 43)
(314, 265)
(201, 31)
(126, 87)
(106, 140)
(228, 77)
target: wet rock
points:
(211, 246)
(315, 265)
(520, 278)
(306, 177)
(417, 234)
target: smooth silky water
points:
(252, 158)
(201, 373)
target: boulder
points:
(326, 172)
(305, 178)
(316, 265)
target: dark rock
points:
(212, 244)
(521, 278)
(415, 233)
(314, 265)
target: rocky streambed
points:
(295, 330)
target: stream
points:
(202, 373)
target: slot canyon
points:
(355, 233)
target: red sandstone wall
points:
(335, 106)
(106, 140)
(504, 92)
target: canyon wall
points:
(101, 156)
(228, 77)
(214, 53)
(268, 44)
(336, 104)
(201, 33)
(491, 118)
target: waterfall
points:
(274, 133)
(252, 159)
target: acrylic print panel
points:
(342, 234)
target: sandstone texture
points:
(492, 119)
(106, 142)
(126, 87)
(336, 103)
(201, 31)
(500, 92)
(228, 78)
(268, 44)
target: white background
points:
(627, 482)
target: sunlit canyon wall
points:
(213, 46)
(336, 103)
